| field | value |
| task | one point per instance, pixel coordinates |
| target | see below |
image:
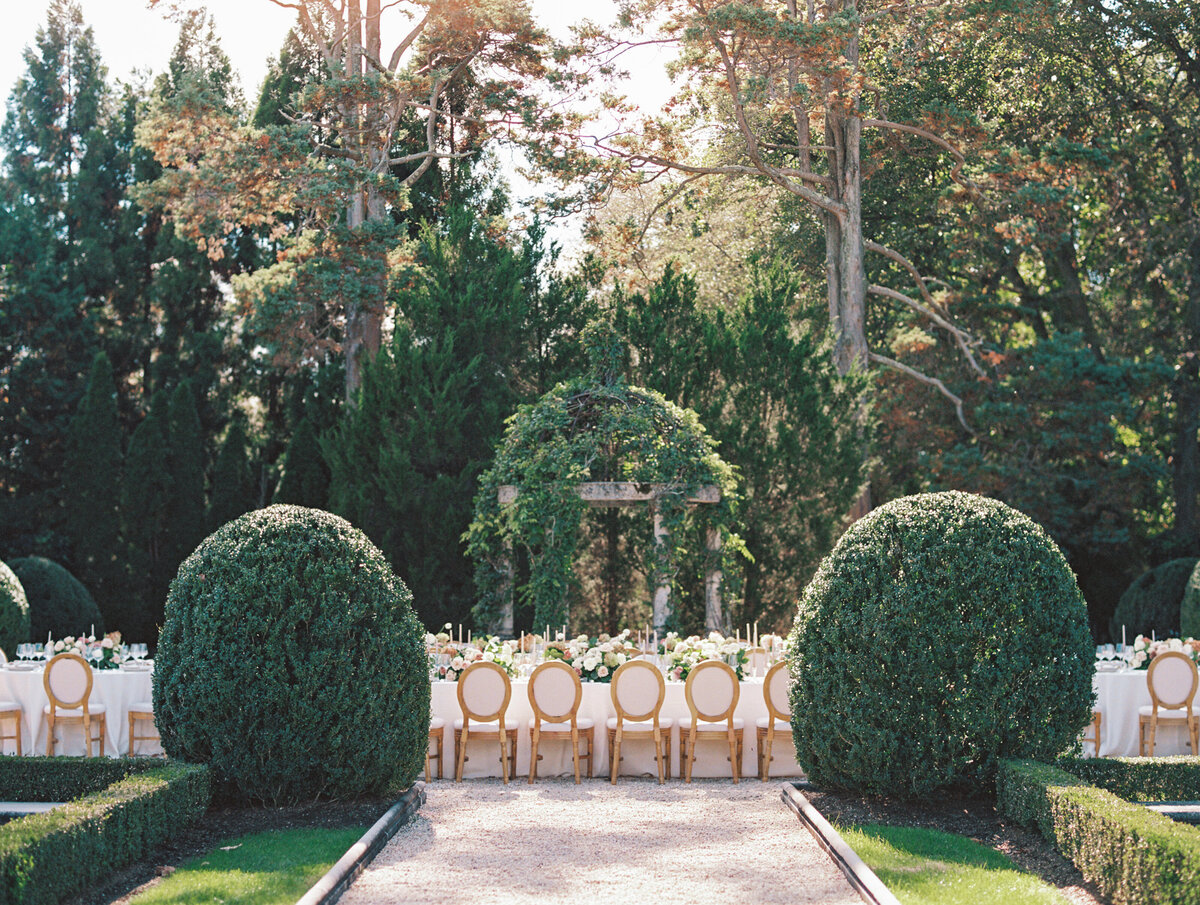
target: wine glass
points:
(22, 650)
(138, 651)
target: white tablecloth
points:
(116, 689)
(1118, 697)
(712, 752)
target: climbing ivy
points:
(593, 428)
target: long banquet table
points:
(637, 756)
(116, 689)
(1119, 694)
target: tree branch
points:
(959, 160)
(928, 381)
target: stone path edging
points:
(338, 878)
(861, 877)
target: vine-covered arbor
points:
(597, 442)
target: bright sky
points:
(132, 36)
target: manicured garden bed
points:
(269, 868)
(975, 818)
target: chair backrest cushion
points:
(483, 692)
(67, 680)
(1173, 680)
(553, 690)
(714, 692)
(638, 690)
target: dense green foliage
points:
(233, 491)
(1130, 853)
(759, 375)
(487, 326)
(14, 611)
(185, 515)
(913, 639)
(58, 604)
(291, 663)
(930, 867)
(1154, 601)
(1140, 778)
(64, 778)
(305, 480)
(61, 854)
(273, 868)
(1189, 607)
(593, 428)
(92, 487)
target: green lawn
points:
(929, 867)
(260, 869)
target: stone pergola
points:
(616, 494)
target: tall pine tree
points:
(305, 479)
(187, 516)
(91, 491)
(145, 499)
(232, 492)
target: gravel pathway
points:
(638, 842)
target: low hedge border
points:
(45, 858)
(65, 778)
(1134, 856)
(1140, 778)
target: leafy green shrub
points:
(46, 858)
(1153, 602)
(14, 611)
(58, 604)
(291, 662)
(1189, 608)
(1140, 778)
(1132, 854)
(64, 778)
(943, 632)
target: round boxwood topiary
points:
(1153, 602)
(59, 604)
(943, 632)
(14, 611)
(290, 661)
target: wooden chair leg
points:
(658, 754)
(1153, 732)
(575, 751)
(460, 751)
(504, 754)
(103, 732)
(667, 755)
(18, 731)
(733, 758)
(614, 754)
(591, 747)
(441, 750)
(533, 752)
(691, 753)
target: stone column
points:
(714, 618)
(662, 590)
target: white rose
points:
(456, 663)
(602, 671)
(58, 645)
(489, 656)
(107, 643)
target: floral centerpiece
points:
(1146, 649)
(458, 657)
(683, 654)
(105, 653)
(595, 659)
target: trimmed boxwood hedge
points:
(1140, 778)
(14, 611)
(1153, 602)
(1134, 855)
(58, 603)
(46, 858)
(944, 631)
(290, 661)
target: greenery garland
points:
(591, 428)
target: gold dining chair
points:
(1093, 732)
(778, 718)
(712, 693)
(68, 684)
(756, 661)
(141, 712)
(483, 695)
(638, 692)
(1172, 681)
(555, 694)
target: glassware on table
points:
(23, 650)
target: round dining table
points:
(712, 751)
(116, 689)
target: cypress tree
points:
(305, 480)
(92, 487)
(232, 491)
(187, 514)
(146, 495)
